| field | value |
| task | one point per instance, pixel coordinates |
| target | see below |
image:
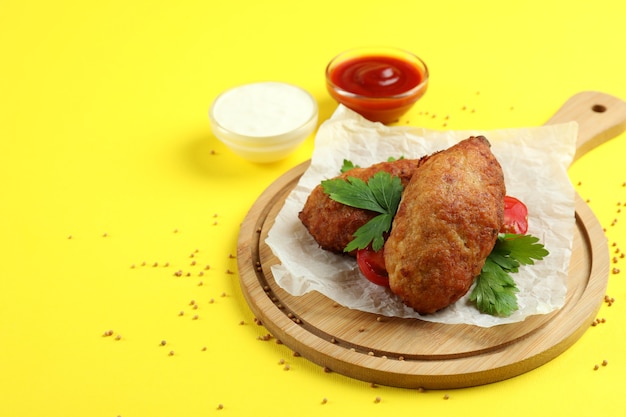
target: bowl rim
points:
(376, 51)
(308, 126)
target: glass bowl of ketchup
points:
(379, 83)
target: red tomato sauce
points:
(376, 76)
(380, 88)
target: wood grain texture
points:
(412, 353)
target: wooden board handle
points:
(600, 117)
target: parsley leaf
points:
(380, 194)
(494, 292)
(372, 231)
(347, 166)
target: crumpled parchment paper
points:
(534, 161)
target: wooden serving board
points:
(412, 353)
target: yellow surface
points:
(107, 162)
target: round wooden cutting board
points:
(412, 353)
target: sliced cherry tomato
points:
(372, 265)
(515, 216)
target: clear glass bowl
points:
(379, 83)
(263, 122)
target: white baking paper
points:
(534, 161)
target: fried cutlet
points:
(333, 224)
(446, 226)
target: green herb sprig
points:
(380, 194)
(495, 289)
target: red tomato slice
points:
(372, 265)
(515, 216)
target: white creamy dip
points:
(263, 109)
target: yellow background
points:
(107, 161)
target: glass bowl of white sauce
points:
(265, 121)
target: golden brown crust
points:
(333, 224)
(446, 226)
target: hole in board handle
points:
(598, 108)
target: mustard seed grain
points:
(324, 401)
(605, 362)
(596, 367)
(377, 400)
(446, 397)
(220, 406)
(163, 342)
